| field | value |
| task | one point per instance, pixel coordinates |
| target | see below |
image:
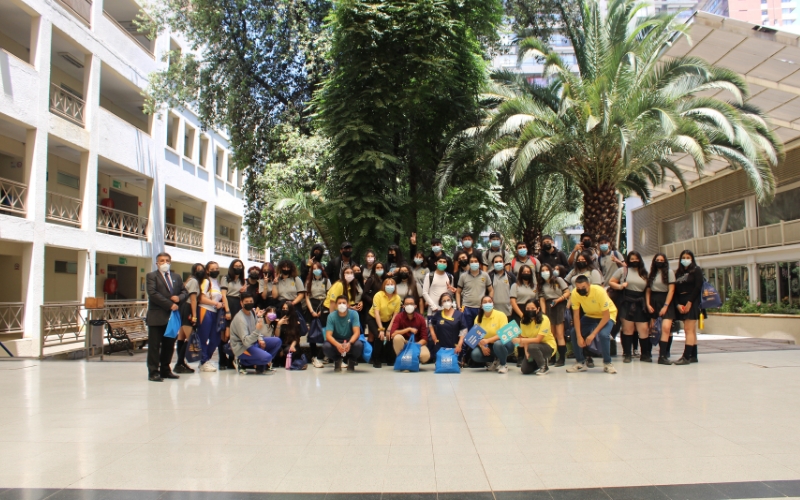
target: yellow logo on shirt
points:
(441, 321)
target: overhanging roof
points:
(768, 59)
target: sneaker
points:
(317, 363)
(609, 368)
(636, 352)
(493, 366)
(682, 361)
(337, 367)
(542, 371)
(326, 361)
(589, 362)
(182, 369)
(503, 369)
(242, 370)
(208, 367)
(577, 367)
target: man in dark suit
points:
(165, 291)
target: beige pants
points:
(399, 342)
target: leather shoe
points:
(169, 375)
(183, 369)
(155, 378)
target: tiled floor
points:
(731, 418)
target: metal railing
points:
(256, 254)
(13, 196)
(128, 33)
(64, 209)
(124, 309)
(66, 104)
(12, 317)
(750, 238)
(226, 247)
(183, 237)
(112, 221)
(81, 8)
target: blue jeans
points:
(499, 351)
(470, 313)
(209, 336)
(604, 336)
(256, 356)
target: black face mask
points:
(403, 275)
(200, 275)
(634, 264)
(214, 274)
(347, 253)
(282, 313)
(248, 307)
(238, 271)
(357, 275)
(253, 276)
(583, 292)
(285, 272)
(661, 265)
(581, 264)
(547, 247)
(391, 258)
(463, 263)
(525, 277)
(530, 314)
(587, 243)
(317, 256)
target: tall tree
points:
(406, 74)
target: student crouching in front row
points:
(341, 336)
(249, 341)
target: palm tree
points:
(619, 124)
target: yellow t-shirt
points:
(491, 325)
(532, 330)
(595, 303)
(334, 291)
(386, 306)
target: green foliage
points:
(738, 301)
(541, 18)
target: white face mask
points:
(370, 260)
(349, 277)
(341, 308)
(409, 309)
(164, 268)
(447, 305)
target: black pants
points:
(380, 353)
(159, 350)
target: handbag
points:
(301, 321)
(709, 297)
(193, 348)
(300, 363)
(655, 331)
(408, 359)
(367, 352)
(174, 325)
(447, 361)
(316, 333)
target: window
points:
(192, 221)
(787, 11)
(231, 172)
(785, 207)
(724, 219)
(204, 143)
(64, 267)
(239, 179)
(763, 12)
(173, 122)
(68, 180)
(727, 279)
(188, 141)
(219, 162)
(768, 287)
(678, 229)
(789, 283)
(763, 2)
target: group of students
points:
(261, 314)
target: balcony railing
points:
(750, 238)
(226, 247)
(64, 209)
(112, 221)
(128, 33)
(12, 317)
(66, 104)
(183, 237)
(81, 8)
(13, 196)
(256, 254)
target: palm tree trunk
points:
(600, 207)
(531, 237)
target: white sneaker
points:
(317, 363)
(577, 367)
(609, 368)
(543, 370)
(503, 369)
(492, 367)
(208, 367)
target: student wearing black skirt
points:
(553, 296)
(660, 298)
(688, 285)
(632, 282)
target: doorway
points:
(126, 282)
(124, 202)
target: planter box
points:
(763, 326)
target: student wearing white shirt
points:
(436, 284)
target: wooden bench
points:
(126, 332)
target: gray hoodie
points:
(244, 332)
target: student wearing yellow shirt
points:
(600, 313)
(385, 306)
(490, 350)
(536, 339)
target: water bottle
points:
(289, 361)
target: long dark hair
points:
(371, 281)
(291, 330)
(366, 264)
(686, 270)
(310, 277)
(421, 255)
(479, 317)
(538, 318)
(532, 280)
(287, 263)
(270, 271)
(589, 258)
(642, 271)
(409, 281)
(654, 270)
(552, 281)
(398, 255)
(232, 277)
(349, 290)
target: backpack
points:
(449, 278)
(514, 261)
(511, 278)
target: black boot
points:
(684, 360)
(626, 348)
(663, 353)
(647, 350)
(562, 355)
(377, 353)
(693, 354)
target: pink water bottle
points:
(289, 361)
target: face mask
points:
(390, 289)
(545, 275)
(238, 270)
(530, 314)
(604, 247)
(522, 252)
(555, 273)
(587, 242)
(164, 268)
(214, 274)
(447, 305)
(487, 307)
(342, 308)
(436, 249)
(392, 257)
(525, 277)
(370, 260)
(285, 272)
(634, 264)
(357, 275)
(441, 267)
(463, 262)
(379, 272)
(272, 316)
(498, 266)
(248, 307)
(347, 253)
(467, 243)
(418, 262)
(199, 275)
(349, 277)
(546, 246)
(317, 255)
(317, 272)
(409, 309)
(253, 276)
(284, 313)
(581, 264)
(403, 275)
(495, 243)
(474, 266)
(661, 265)
(686, 262)
(583, 291)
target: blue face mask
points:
(545, 275)
(436, 249)
(418, 262)
(474, 266)
(389, 288)
(488, 307)
(604, 247)
(522, 252)
(317, 272)
(686, 262)
(467, 243)
(555, 273)
(495, 243)
(379, 272)
(498, 266)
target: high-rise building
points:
(774, 13)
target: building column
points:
(209, 228)
(33, 296)
(86, 281)
(754, 283)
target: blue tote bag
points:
(709, 297)
(193, 348)
(408, 359)
(447, 361)
(174, 325)
(367, 353)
